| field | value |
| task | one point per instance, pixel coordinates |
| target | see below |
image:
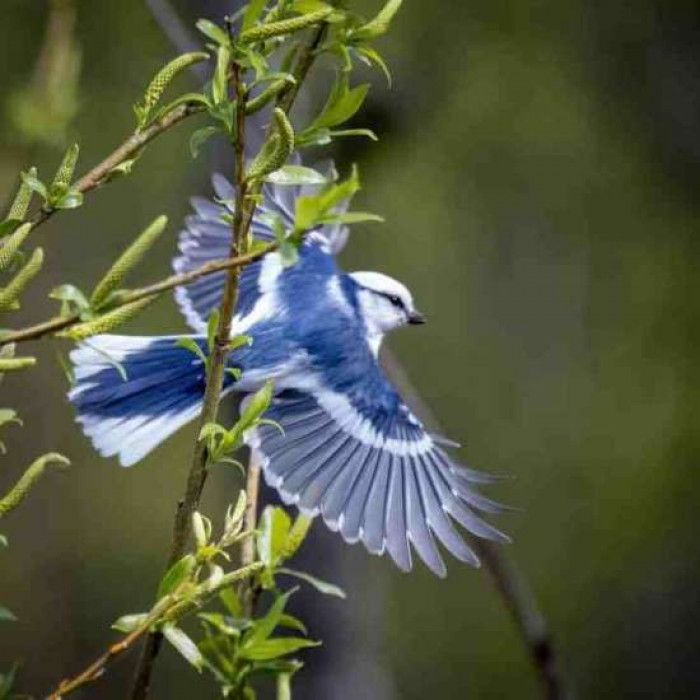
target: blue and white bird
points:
(351, 451)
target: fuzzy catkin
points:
(166, 74)
(20, 204)
(110, 321)
(10, 294)
(285, 26)
(126, 261)
(12, 244)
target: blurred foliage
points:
(538, 171)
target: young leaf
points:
(212, 31)
(295, 536)
(274, 529)
(232, 603)
(321, 586)
(266, 625)
(128, 623)
(73, 300)
(343, 103)
(252, 13)
(193, 346)
(379, 25)
(31, 180)
(254, 407)
(212, 327)
(6, 615)
(296, 175)
(276, 647)
(200, 137)
(219, 83)
(184, 645)
(177, 574)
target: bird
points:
(340, 443)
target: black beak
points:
(416, 318)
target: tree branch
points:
(243, 216)
(60, 323)
(508, 580)
(128, 150)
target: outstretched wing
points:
(207, 237)
(365, 463)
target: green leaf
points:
(7, 415)
(219, 83)
(222, 623)
(254, 406)
(292, 623)
(9, 226)
(274, 529)
(372, 57)
(74, 300)
(276, 647)
(379, 25)
(289, 251)
(266, 625)
(321, 586)
(71, 200)
(343, 103)
(212, 327)
(3, 541)
(295, 537)
(177, 574)
(200, 137)
(296, 175)
(352, 217)
(355, 132)
(35, 185)
(252, 13)
(193, 346)
(128, 623)
(6, 615)
(212, 31)
(184, 645)
(232, 603)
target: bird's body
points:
(350, 450)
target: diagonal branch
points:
(509, 580)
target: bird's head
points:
(385, 304)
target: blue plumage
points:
(351, 450)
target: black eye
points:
(396, 301)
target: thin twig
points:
(169, 609)
(59, 323)
(249, 592)
(508, 580)
(128, 150)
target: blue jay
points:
(350, 449)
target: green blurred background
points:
(538, 169)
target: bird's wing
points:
(365, 463)
(207, 237)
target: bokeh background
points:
(539, 170)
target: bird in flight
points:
(350, 450)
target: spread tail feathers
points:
(132, 393)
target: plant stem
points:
(243, 215)
(214, 384)
(249, 591)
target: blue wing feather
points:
(207, 237)
(366, 464)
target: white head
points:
(385, 304)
